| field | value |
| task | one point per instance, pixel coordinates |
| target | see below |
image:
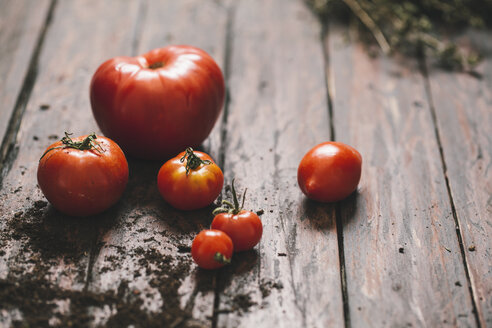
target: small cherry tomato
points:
(190, 180)
(212, 249)
(329, 172)
(84, 175)
(244, 227)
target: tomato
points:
(190, 180)
(244, 227)
(84, 175)
(329, 172)
(212, 249)
(159, 103)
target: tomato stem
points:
(192, 161)
(156, 65)
(231, 208)
(221, 258)
(89, 143)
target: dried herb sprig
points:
(412, 27)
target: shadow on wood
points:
(348, 207)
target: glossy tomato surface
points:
(329, 172)
(83, 182)
(159, 103)
(244, 228)
(211, 249)
(193, 190)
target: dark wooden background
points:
(411, 248)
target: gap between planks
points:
(432, 109)
(231, 10)
(8, 150)
(324, 36)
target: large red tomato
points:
(329, 172)
(84, 175)
(159, 103)
(190, 181)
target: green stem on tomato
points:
(192, 161)
(230, 207)
(221, 258)
(156, 65)
(87, 143)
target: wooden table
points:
(411, 248)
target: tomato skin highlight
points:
(329, 172)
(159, 103)
(197, 189)
(83, 182)
(245, 228)
(207, 244)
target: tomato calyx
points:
(156, 65)
(231, 208)
(88, 143)
(192, 161)
(221, 258)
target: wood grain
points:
(41, 247)
(146, 226)
(21, 26)
(403, 261)
(278, 110)
(464, 119)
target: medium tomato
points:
(84, 175)
(190, 180)
(212, 249)
(329, 172)
(244, 227)
(157, 104)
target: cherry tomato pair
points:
(232, 229)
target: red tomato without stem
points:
(329, 172)
(159, 103)
(212, 249)
(84, 175)
(244, 227)
(190, 180)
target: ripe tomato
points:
(244, 227)
(329, 172)
(212, 249)
(157, 104)
(190, 180)
(84, 175)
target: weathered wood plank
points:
(45, 255)
(464, 119)
(146, 255)
(402, 256)
(21, 25)
(278, 110)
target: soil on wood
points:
(46, 239)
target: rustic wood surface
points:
(410, 248)
(270, 126)
(22, 27)
(401, 250)
(463, 115)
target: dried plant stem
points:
(370, 24)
